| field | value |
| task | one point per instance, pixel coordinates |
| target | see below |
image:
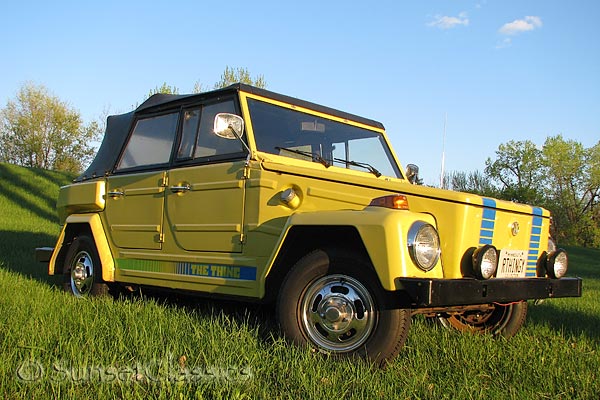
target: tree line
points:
(37, 129)
(562, 176)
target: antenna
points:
(443, 151)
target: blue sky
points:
(501, 70)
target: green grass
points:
(153, 347)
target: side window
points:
(191, 119)
(151, 142)
(209, 144)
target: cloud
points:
(446, 22)
(526, 24)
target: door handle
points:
(116, 193)
(180, 188)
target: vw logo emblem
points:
(514, 228)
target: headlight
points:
(557, 263)
(423, 245)
(485, 261)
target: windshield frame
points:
(391, 169)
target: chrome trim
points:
(180, 188)
(411, 239)
(337, 313)
(82, 274)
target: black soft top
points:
(119, 126)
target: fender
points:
(384, 234)
(97, 230)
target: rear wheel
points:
(495, 319)
(332, 302)
(82, 269)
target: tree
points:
(198, 87)
(39, 130)
(164, 89)
(562, 176)
(231, 76)
(518, 170)
(472, 182)
(228, 77)
(573, 188)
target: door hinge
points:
(161, 238)
(246, 173)
(165, 180)
(242, 238)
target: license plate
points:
(512, 264)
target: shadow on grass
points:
(17, 254)
(571, 323)
(11, 181)
(256, 316)
(58, 178)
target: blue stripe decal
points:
(487, 224)
(489, 214)
(534, 241)
(486, 234)
(488, 221)
(491, 203)
(217, 271)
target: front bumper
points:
(422, 293)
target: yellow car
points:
(248, 194)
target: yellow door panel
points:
(205, 207)
(134, 209)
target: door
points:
(205, 206)
(134, 209)
(205, 198)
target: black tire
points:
(332, 301)
(82, 269)
(499, 320)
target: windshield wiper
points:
(366, 166)
(315, 156)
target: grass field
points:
(56, 346)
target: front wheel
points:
(496, 319)
(82, 269)
(331, 301)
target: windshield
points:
(291, 133)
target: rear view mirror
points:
(412, 173)
(228, 126)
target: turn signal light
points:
(395, 201)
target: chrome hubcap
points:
(82, 274)
(338, 313)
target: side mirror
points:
(228, 126)
(412, 173)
